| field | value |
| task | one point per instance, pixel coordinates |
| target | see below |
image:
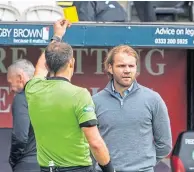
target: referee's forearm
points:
(98, 148)
(100, 152)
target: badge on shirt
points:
(88, 108)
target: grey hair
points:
(23, 64)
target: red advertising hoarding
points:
(162, 70)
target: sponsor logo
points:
(88, 108)
(26, 35)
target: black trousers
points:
(69, 169)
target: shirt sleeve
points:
(85, 109)
(29, 85)
(161, 130)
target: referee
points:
(62, 114)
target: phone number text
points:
(170, 41)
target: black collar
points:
(57, 78)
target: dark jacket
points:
(23, 145)
(100, 11)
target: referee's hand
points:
(60, 27)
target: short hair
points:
(118, 49)
(25, 65)
(57, 55)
